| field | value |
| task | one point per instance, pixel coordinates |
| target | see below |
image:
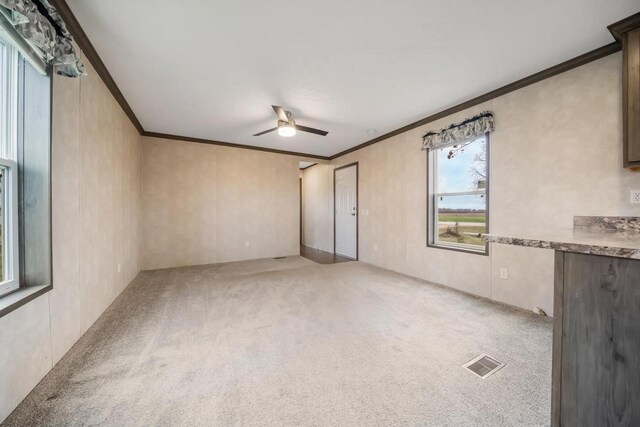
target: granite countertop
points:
(607, 236)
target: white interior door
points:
(346, 211)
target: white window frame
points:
(434, 195)
(10, 281)
(10, 250)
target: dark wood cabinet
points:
(596, 341)
(627, 32)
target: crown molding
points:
(624, 25)
(310, 166)
(230, 145)
(519, 84)
(91, 54)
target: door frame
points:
(357, 208)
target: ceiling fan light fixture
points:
(287, 127)
(286, 130)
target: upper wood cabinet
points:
(627, 32)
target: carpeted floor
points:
(292, 342)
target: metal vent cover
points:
(484, 366)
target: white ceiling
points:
(212, 69)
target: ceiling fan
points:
(287, 126)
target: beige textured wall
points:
(317, 195)
(556, 152)
(203, 203)
(96, 214)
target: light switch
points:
(504, 273)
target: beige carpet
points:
(291, 342)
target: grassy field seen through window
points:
(463, 227)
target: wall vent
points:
(483, 366)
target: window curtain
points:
(458, 132)
(40, 24)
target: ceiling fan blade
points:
(312, 130)
(265, 131)
(282, 115)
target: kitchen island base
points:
(596, 344)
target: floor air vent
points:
(280, 257)
(483, 366)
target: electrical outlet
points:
(635, 196)
(247, 244)
(504, 273)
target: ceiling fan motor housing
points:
(291, 122)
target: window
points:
(9, 253)
(457, 203)
(25, 174)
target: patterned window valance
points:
(458, 132)
(40, 24)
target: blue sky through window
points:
(455, 175)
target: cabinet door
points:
(631, 98)
(600, 369)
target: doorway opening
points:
(345, 211)
(316, 231)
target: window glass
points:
(461, 219)
(8, 170)
(25, 170)
(458, 199)
(2, 226)
(462, 167)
